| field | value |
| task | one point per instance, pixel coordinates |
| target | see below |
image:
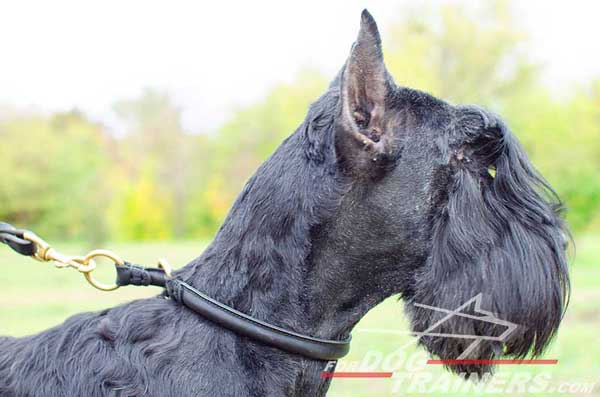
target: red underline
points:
(356, 374)
(493, 362)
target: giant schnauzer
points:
(382, 190)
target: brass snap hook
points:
(84, 264)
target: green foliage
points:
(143, 208)
(67, 177)
(157, 142)
(563, 140)
(226, 160)
(463, 55)
(52, 177)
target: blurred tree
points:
(53, 175)
(143, 209)
(472, 54)
(66, 177)
(155, 136)
(228, 158)
(253, 132)
(563, 139)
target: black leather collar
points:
(228, 317)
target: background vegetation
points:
(69, 178)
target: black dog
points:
(382, 190)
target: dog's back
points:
(146, 347)
(50, 362)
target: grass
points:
(34, 296)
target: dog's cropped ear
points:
(498, 247)
(364, 85)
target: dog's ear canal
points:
(365, 84)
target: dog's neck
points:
(275, 257)
(303, 283)
(322, 294)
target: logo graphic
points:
(486, 316)
(465, 358)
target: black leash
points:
(28, 244)
(13, 237)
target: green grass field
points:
(35, 296)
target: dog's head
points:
(445, 203)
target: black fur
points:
(382, 190)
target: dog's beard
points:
(501, 238)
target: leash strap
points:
(28, 244)
(228, 317)
(13, 237)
